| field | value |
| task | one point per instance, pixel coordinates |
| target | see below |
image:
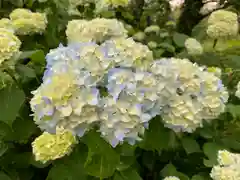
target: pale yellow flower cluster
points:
(26, 22)
(131, 53)
(105, 4)
(228, 167)
(193, 47)
(198, 95)
(49, 147)
(222, 24)
(237, 93)
(97, 30)
(9, 44)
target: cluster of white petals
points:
(222, 24)
(211, 5)
(9, 44)
(193, 94)
(228, 166)
(171, 178)
(104, 79)
(26, 22)
(237, 93)
(97, 30)
(193, 47)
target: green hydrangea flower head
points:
(227, 167)
(48, 146)
(26, 22)
(222, 24)
(9, 45)
(193, 46)
(6, 23)
(105, 4)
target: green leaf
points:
(12, 99)
(234, 110)
(199, 31)
(36, 56)
(25, 71)
(157, 137)
(3, 148)
(198, 177)
(70, 167)
(211, 150)
(167, 46)
(4, 176)
(102, 160)
(232, 61)
(190, 145)
(125, 162)
(23, 129)
(170, 170)
(129, 174)
(179, 39)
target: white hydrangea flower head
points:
(26, 22)
(6, 24)
(226, 158)
(9, 45)
(176, 4)
(97, 30)
(228, 166)
(193, 94)
(193, 46)
(49, 147)
(237, 93)
(106, 4)
(171, 178)
(222, 23)
(131, 53)
(209, 7)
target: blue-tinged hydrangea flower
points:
(49, 147)
(237, 93)
(142, 86)
(97, 30)
(122, 120)
(171, 178)
(26, 22)
(228, 166)
(88, 59)
(63, 101)
(9, 45)
(131, 53)
(195, 94)
(222, 24)
(193, 47)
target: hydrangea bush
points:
(119, 89)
